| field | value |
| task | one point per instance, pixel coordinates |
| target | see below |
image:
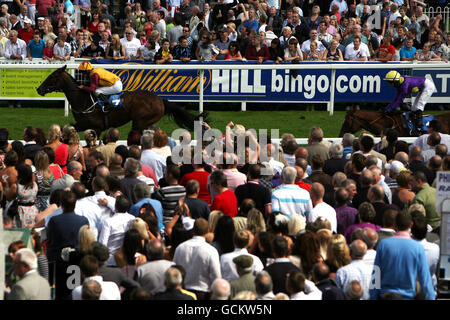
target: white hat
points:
(27, 20)
(395, 166)
(41, 18)
(188, 223)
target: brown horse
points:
(141, 107)
(375, 122)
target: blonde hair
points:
(71, 134)
(339, 254)
(88, 34)
(54, 133)
(85, 239)
(139, 225)
(296, 224)
(281, 296)
(118, 44)
(417, 207)
(41, 161)
(255, 221)
(213, 218)
(324, 238)
(90, 136)
(245, 295)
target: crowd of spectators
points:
(326, 221)
(162, 31)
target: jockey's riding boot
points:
(417, 123)
(105, 100)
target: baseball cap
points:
(27, 20)
(395, 166)
(224, 29)
(188, 223)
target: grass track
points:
(296, 122)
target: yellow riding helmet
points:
(394, 76)
(85, 66)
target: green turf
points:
(296, 122)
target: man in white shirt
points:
(321, 209)
(312, 37)
(357, 269)
(357, 51)
(107, 204)
(323, 33)
(90, 208)
(343, 7)
(130, 43)
(300, 288)
(379, 179)
(227, 266)
(433, 126)
(89, 268)
(370, 238)
(151, 158)
(289, 198)
(200, 260)
(114, 228)
(15, 48)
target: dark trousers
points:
(201, 295)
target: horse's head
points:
(52, 83)
(348, 125)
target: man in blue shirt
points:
(400, 262)
(251, 21)
(408, 52)
(142, 192)
(35, 47)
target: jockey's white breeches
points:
(116, 88)
(423, 96)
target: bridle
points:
(370, 123)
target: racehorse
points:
(141, 107)
(375, 122)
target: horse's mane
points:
(75, 82)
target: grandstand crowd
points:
(161, 31)
(327, 221)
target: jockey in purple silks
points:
(407, 85)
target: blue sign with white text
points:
(362, 84)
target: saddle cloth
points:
(425, 120)
(114, 101)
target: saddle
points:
(425, 121)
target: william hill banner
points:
(268, 85)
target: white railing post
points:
(200, 107)
(332, 90)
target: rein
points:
(395, 123)
(88, 110)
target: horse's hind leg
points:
(143, 123)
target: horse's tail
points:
(181, 117)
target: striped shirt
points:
(291, 199)
(169, 197)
